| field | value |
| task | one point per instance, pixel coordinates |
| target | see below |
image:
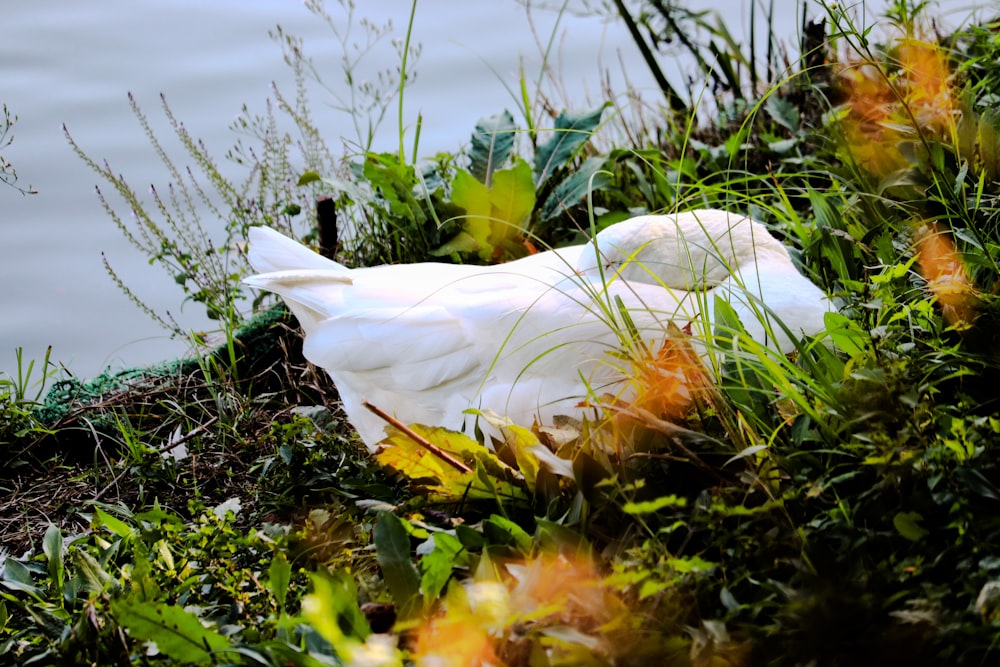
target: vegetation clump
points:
(836, 506)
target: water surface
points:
(73, 63)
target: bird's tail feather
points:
(272, 251)
(306, 280)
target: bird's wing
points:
(414, 349)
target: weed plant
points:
(837, 506)
(8, 175)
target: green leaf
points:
(512, 198)
(589, 177)
(782, 112)
(17, 577)
(52, 546)
(116, 526)
(436, 567)
(989, 143)
(737, 142)
(469, 537)
(521, 442)
(845, 334)
(571, 131)
(178, 634)
(691, 565)
(279, 574)
(395, 182)
(90, 573)
(143, 583)
(308, 177)
(727, 324)
(392, 550)
(501, 530)
(492, 141)
(474, 197)
(908, 525)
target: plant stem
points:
(402, 80)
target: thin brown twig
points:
(420, 440)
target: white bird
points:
(532, 338)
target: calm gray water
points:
(63, 61)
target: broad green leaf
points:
(178, 634)
(572, 129)
(115, 525)
(492, 141)
(737, 142)
(469, 537)
(93, 578)
(392, 550)
(474, 197)
(908, 525)
(279, 574)
(17, 577)
(52, 546)
(470, 194)
(727, 323)
(651, 587)
(436, 567)
(512, 197)
(569, 193)
(501, 530)
(845, 334)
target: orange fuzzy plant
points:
(947, 279)
(666, 381)
(888, 104)
(501, 621)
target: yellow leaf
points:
(474, 197)
(486, 476)
(512, 199)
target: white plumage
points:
(528, 339)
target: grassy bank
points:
(838, 506)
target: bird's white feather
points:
(528, 339)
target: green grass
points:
(838, 506)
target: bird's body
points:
(531, 338)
